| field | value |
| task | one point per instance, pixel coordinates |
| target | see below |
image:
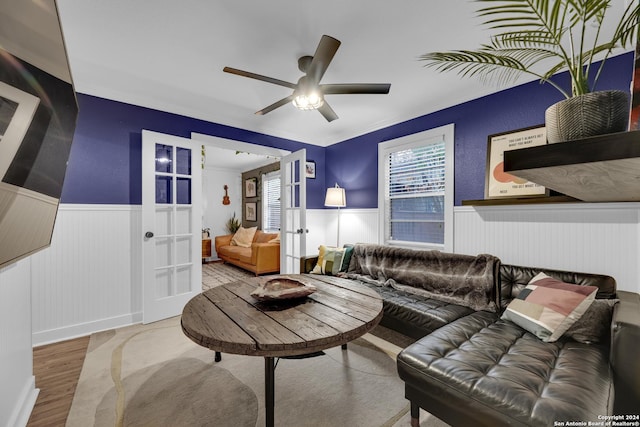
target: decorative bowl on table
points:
(282, 288)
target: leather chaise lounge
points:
(469, 366)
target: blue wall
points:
(105, 164)
(354, 163)
(105, 161)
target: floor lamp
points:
(336, 198)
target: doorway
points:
(225, 160)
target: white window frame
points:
(445, 133)
(270, 175)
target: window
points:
(271, 205)
(416, 189)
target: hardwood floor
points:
(57, 370)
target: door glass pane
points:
(183, 279)
(183, 160)
(163, 251)
(164, 158)
(183, 221)
(293, 219)
(184, 191)
(183, 250)
(164, 280)
(164, 221)
(163, 189)
(296, 171)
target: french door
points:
(293, 222)
(171, 224)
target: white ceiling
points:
(233, 160)
(169, 55)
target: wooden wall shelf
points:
(604, 168)
(520, 201)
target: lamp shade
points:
(335, 197)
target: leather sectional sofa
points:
(471, 367)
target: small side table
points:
(206, 248)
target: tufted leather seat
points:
(471, 368)
(415, 315)
(499, 374)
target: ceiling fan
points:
(308, 93)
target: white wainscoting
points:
(588, 237)
(18, 392)
(356, 226)
(88, 279)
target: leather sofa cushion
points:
(236, 252)
(416, 315)
(262, 237)
(509, 375)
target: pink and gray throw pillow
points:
(547, 307)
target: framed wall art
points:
(310, 169)
(498, 183)
(250, 211)
(250, 187)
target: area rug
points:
(152, 375)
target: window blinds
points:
(271, 205)
(416, 185)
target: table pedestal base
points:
(269, 390)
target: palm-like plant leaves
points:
(532, 32)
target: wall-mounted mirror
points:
(38, 112)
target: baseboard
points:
(84, 329)
(26, 402)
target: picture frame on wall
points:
(498, 183)
(250, 187)
(250, 211)
(310, 169)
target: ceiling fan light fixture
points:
(308, 93)
(308, 101)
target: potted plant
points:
(232, 225)
(556, 35)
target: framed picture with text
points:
(498, 183)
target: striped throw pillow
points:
(547, 307)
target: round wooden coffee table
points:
(228, 319)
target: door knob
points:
(148, 234)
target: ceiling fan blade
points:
(275, 105)
(355, 88)
(327, 112)
(322, 58)
(259, 77)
